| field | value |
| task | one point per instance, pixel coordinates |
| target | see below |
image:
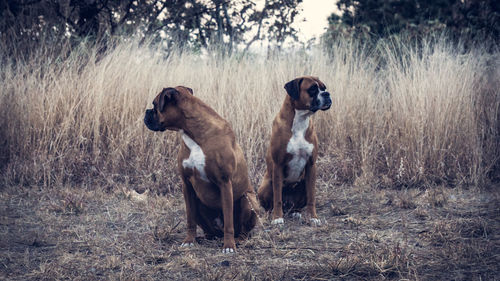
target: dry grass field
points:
(368, 234)
(408, 169)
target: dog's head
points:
(166, 113)
(308, 93)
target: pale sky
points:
(312, 21)
(315, 13)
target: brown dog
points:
(217, 191)
(289, 182)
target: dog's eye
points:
(313, 90)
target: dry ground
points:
(369, 233)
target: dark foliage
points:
(178, 23)
(465, 20)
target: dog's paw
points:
(315, 222)
(297, 215)
(228, 250)
(187, 244)
(278, 221)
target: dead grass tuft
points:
(406, 200)
(377, 261)
(455, 231)
(69, 203)
(337, 211)
(435, 197)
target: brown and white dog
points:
(289, 182)
(217, 191)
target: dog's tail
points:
(256, 208)
(252, 200)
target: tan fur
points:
(228, 192)
(274, 191)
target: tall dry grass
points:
(402, 114)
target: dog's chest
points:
(196, 159)
(298, 146)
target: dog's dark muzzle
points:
(149, 120)
(327, 101)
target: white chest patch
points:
(196, 158)
(298, 146)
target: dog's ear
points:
(190, 90)
(293, 88)
(167, 95)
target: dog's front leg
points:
(189, 199)
(310, 178)
(226, 191)
(277, 194)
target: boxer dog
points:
(289, 182)
(216, 188)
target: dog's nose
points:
(148, 116)
(326, 97)
(327, 101)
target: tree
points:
(382, 18)
(195, 23)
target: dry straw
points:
(402, 114)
